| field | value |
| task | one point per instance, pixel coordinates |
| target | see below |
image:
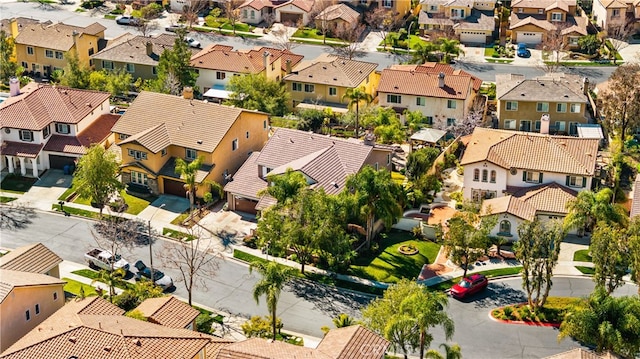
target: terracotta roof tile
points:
(246, 182)
(509, 204)
(338, 72)
(168, 311)
(537, 4)
(134, 49)
(56, 36)
(305, 5)
(354, 342)
(224, 58)
(154, 138)
(10, 279)
(338, 11)
(98, 130)
(579, 353)
(66, 144)
(424, 84)
(22, 149)
(34, 258)
(258, 348)
(549, 198)
(257, 4)
(23, 22)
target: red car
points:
(469, 285)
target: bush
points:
(204, 323)
(117, 12)
(508, 311)
(92, 4)
(259, 327)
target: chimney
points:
(14, 86)
(441, 80)
(288, 66)
(149, 49)
(544, 124)
(585, 86)
(187, 93)
(265, 59)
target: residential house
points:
(94, 328)
(217, 64)
(325, 162)
(612, 14)
(579, 353)
(532, 20)
(354, 342)
(442, 93)
(169, 312)
(26, 299)
(43, 48)
(33, 258)
(293, 12)
(326, 80)
(635, 202)
(51, 127)
(470, 20)
(337, 18)
(553, 103)
(158, 128)
(400, 8)
(137, 55)
(12, 28)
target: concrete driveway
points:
(164, 209)
(47, 189)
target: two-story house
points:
(217, 64)
(553, 103)
(531, 20)
(326, 79)
(442, 93)
(42, 48)
(46, 126)
(325, 162)
(158, 128)
(293, 12)
(612, 14)
(337, 17)
(543, 171)
(471, 20)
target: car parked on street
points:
(192, 42)
(159, 278)
(127, 20)
(174, 28)
(522, 50)
(469, 286)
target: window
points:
(537, 126)
(309, 88)
(91, 51)
(122, 136)
(234, 145)
(576, 181)
(492, 179)
(387, 3)
(388, 159)
(24, 65)
(264, 124)
(510, 124)
(451, 104)
(532, 177)
(244, 13)
(429, 120)
(191, 154)
(48, 53)
(163, 152)
(505, 227)
(107, 65)
(573, 40)
(575, 108)
(154, 70)
(484, 175)
(573, 128)
(138, 155)
(247, 134)
(476, 175)
(220, 75)
(561, 126)
(131, 68)
(615, 13)
(37, 309)
(451, 122)
(26, 135)
(394, 98)
(520, 10)
(421, 101)
(46, 131)
(556, 16)
(27, 314)
(511, 106)
(253, 14)
(333, 91)
(55, 295)
(542, 107)
(63, 128)
(59, 55)
(139, 177)
(296, 86)
(525, 125)
(29, 50)
(561, 107)
(540, 11)
(433, 8)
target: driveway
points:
(164, 209)
(47, 189)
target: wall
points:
(98, 111)
(294, 10)
(85, 42)
(547, 177)
(527, 110)
(13, 324)
(433, 106)
(381, 157)
(499, 186)
(484, 5)
(515, 222)
(154, 161)
(246, 17)
(144, 72)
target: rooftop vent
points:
(107, 348)
(136, 342)
(73, 339)
(291, 140)
(199, 142)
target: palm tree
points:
(110, 278)
(589, 208)
(426, 309)
(355, 96)
(274, 277)
(449, 47)
(451, 352)
(188, 171)
(344, 320)
(422, 52)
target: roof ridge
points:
(568, 153)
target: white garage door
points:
(476, 37)
(533, 38)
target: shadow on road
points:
(15, 217)
(496, 295)
(330, 300)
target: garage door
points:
(245, 205)
(532, 38)
(474, 37)
(290, 18)
(58, 162)
(174, 187)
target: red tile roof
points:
(435, 67)
(168, 311)
(66, 144)
(224, 58)
(97, 131)
(424, 84)
(22, 149)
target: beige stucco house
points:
(611, 14)
(471, 20)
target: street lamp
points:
(151, 242)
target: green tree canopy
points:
(115, 82)
(174, 68)
(355, 96)
(96, 176)
(633, 234)
(8, 65)
(609, 253)
(423, 52)
(188, 172)
(256, 92)
(420, 161)
(589, 208)
(449, 47)
(273, 279)
(75, 74)
(468, 237)
(620, 103)
(285, 187)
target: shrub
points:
(92, 4)
(508, 311)
(260, 327)
(204, 323)
(117, 12)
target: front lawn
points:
(135, 204)
(73, 287)
(4, 199)
(307, 33)
(586, 270)
(390, 265)
(408, 44)
(17, 184)
(582, 256)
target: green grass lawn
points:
(500, 272)
(77, 211)
(93, 275)
(554, 310)
(181, 218)
(307, 33)
(73, 287)
(390, 266)
(4, 199)
(136, 204)
(239, 27)
(17, 184)
(489, 51)
(65, 195)
(582, 256)
(586, 270)
(283, 122)
(177, 234)
(412, 41)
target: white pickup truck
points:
(103, 259)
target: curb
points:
(521, 322)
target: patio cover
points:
(430, 135)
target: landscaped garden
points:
(134, 205)
(552, 313)
(309, 33)
(17, 184)
(582, 256)
(74, 287)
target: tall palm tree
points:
(589, 208)
(355, 96)
(274, 277)
(110, 278)
(450, 352)
(449, 47)
(344, 320)
(422, 52)
(426, 309)
(188, 172)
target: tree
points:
(146, 26)
(274, 277)
(420, 161)
(232, 12)
(311, 119)
(350, 36)
(174, 68)
(344, 320)
(96, 177)
(414, 120)
(377, 197)
(620, 102)
(192, 9)
(317, 13)
(537, 250)
(8, 65)
(468, 237)
(286, 187)
(384, 21)
(608, 251)
(111, 278)
(449, 47)
(16, 216)
(256, 92)
(195, 260)
(282, 37)
(423, 52)
(555, 42)
(115, 82)
(606, 322)
(355, 96)
(259, 326)
(188, 172)
(136, 294)
(633, 233)
(589, 208)
(450, 352)
(589, 44)
(618, 36)
(75, 74)
(405, 314)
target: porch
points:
(23, 158)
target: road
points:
(485, 71)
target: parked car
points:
(127, 20)
(522, 50)
(192, 42)
(102, 259)
(159, 278)
(174, 28)
(469, 285)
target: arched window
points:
(505, 227)
(493, 176)
(485, 174)
(476, 175)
